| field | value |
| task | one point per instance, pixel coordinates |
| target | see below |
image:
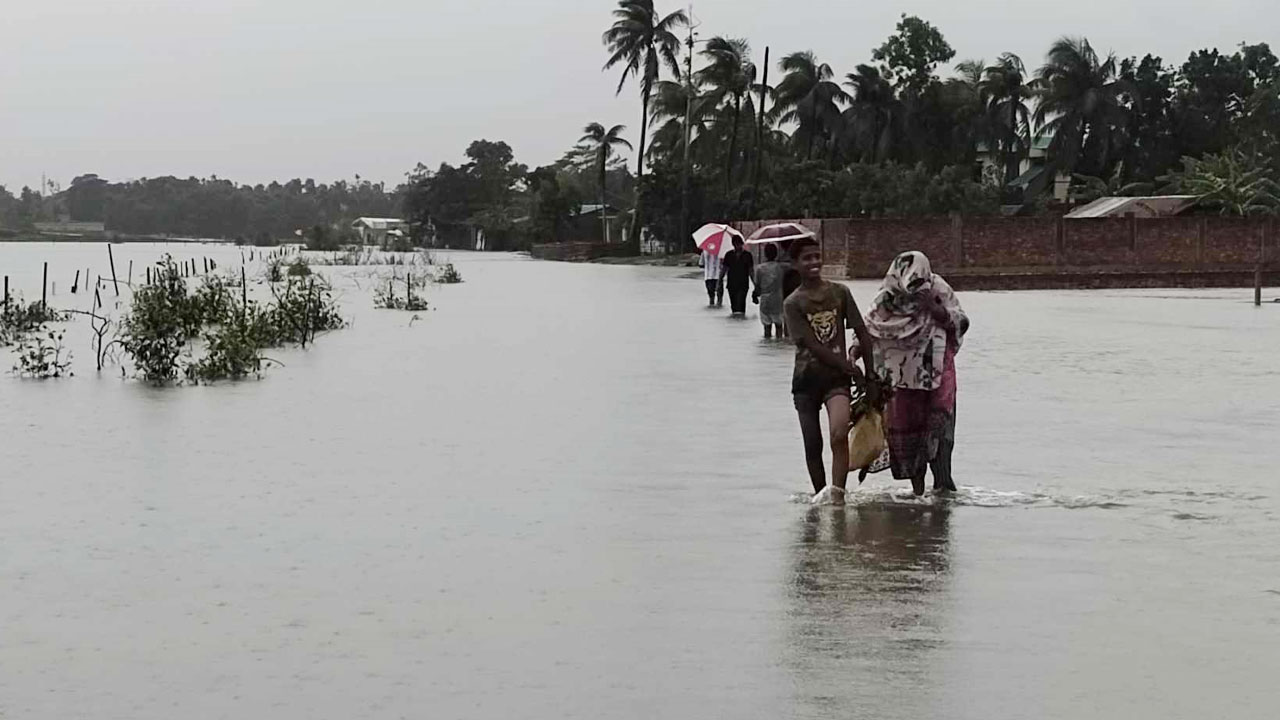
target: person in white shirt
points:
(713, 274)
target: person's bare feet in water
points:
(837, 495)
(917, 486)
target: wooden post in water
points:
(148, 275)
(112, 258)
(44, 288)
(1257, 286)
(129, 281)
(76, 284)
(244, 295)
(6, 293)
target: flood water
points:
(570, 491)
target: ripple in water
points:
(966, 496)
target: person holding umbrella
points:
(713, 239)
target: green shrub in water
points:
(40, 355)
(299, 268)
(18, 319)
(161, 321)
(448, 275)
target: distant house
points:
(1142, 207)
(379, 231)
(587, 225)
(70, 228)
(1034, 176)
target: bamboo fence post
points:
(44, 289)
(1257, 286)
(112, 258)
(75, 285)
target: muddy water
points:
(567, 491)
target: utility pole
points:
(688, 133)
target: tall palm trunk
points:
(1010, 158)
(733, 145)
(813, 130)
(604, 221)
(644, 134)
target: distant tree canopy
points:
(207, 208)
(902, 136)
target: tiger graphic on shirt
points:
(824, 325)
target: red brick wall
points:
(1098, 241)
(1013, 242)
(1048, 245)
(873, 244)
(1168, 241)
(1232, 240)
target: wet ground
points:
(570, 491)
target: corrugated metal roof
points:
(378, 223)
(1143, 207)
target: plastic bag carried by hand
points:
(866, 441)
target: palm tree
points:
(873, 114)
(671, 99)
(1080, 106)
(964, 96)
(1005, 93)
(602, 144)
(730, 74)
(641, 42)
(808, 96)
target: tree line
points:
(725, 134)
(201, 207)
(797, 139)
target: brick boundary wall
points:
(1027, 253)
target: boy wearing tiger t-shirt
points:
(817, 315)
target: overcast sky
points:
(255, 90)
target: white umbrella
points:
(780, 232)
(715, 238)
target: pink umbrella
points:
(715, 238)
(780, 232)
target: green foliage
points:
(299, 267)
(386, 298)
(217, 208)
(214, 299)
(40, 355)
(448, 275)
(233, 350)
(913, 53)
(1234, 182)
(322, 237)
(445, 203)
(17, 319)
(162, 319)
(302, 309)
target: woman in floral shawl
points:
(918, 328)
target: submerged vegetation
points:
(448, 275)
(165, 320)
(41, 355)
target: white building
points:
(377, 231)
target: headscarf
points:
(911, 345)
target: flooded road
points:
(569, 491)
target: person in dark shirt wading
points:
(817, 315)
(738, 271)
